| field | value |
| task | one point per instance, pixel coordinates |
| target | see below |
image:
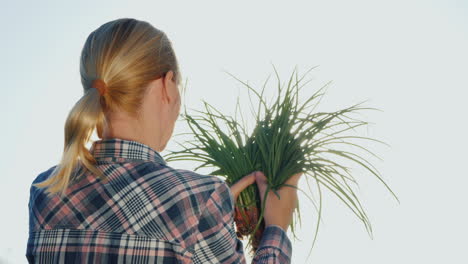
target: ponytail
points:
(84, 117)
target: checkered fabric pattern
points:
(145, 212)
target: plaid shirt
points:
(147, 212)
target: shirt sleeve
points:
(218, 242)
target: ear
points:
(169, 94)
(169, 76)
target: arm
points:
(218, 242)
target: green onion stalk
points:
(288, 137)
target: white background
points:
(408, 57)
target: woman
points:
(119, 202)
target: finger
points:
(260, 177)
(241, 184)
(261, 180)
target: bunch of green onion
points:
(288, 137)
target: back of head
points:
(126, 54)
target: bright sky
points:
(408, 57)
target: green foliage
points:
(289, 137)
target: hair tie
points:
(100, 85)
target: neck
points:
(133, 130)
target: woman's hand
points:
(277, 211)
(241, 184)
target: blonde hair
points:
(126, 54)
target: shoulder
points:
(37, 195)
(198, 182)
(191, 196)
(208, 185)
(191, 180)
(207, 190)
(181, 183)
(44, 175)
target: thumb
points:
(262, 182)
(241, 184)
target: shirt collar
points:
(114, 149)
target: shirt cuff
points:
(274, 238)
